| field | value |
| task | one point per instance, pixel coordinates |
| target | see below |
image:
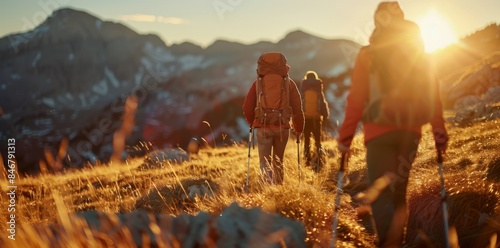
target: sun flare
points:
(436, 32)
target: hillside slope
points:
(471, 170)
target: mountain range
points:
(69, 77)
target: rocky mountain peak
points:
(224, 46)
(186, 48)
(69, 15)
(65, 26)
(298, 36)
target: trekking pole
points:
(443, 199)
(298, 156)
(250, 136)
(340, 175)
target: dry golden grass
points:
(471, 174)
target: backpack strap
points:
(286, 82)
(319, 100)
(260, 94)
(258, 90)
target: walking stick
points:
(443, 199)
(317, 167)
(250, 136)
(340, 175)
(298, 156)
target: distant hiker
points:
(272, 101)
(394, 92)
(315, 111)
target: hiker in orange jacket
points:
(391, 149)
(315, 112)
(273, 132)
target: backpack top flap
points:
(273, 92)
(272, 63)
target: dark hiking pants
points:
(272, 144)
(312, 126)
(391, 156)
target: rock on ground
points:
(234, 227)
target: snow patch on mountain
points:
(189, 62)
(292, 46)
(230, 71)
(146, 62)
(101, 87)
(93, 99)
(139, 75)
(15, 40)
(234, 70)
(98, 24)
(49, 102)
(311, 54)
(35, 60)
(40, 30)
(158, 54)
(31, 132)
(163, 95)
(158, 70)
(62, 100)
(43, 122)
(336, 70)
(207, 63)
(82, 99)
(69, 96)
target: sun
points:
(436, 31)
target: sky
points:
(249, 21)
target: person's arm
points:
(302, 86)
(325, 111)
(249, 105)
(296, 104)
(356, 99)
(438, 127)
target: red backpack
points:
(273, 90)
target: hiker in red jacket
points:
(315, 112)
(393, 56)
(273, 99)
